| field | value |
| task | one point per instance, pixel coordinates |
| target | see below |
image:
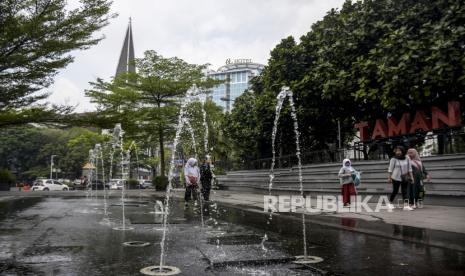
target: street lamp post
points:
(51, 165)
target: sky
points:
(200, 31)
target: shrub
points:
(133, 183)
(7, 179)
(160, 183)
(219, 171)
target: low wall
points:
(446, 188)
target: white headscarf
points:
(191, 162)
(191, 168)
(347, 167)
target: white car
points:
(49, 185)
(147, 184)
(116, 184)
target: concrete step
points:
(448, 172)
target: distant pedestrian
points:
(400, 175)
(346, 175)
(84, 181)
(192, 178)
(206, 176)
(419, 175)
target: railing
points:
(427, 145)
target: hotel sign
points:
(438, 120)
(238, 61)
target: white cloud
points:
(202, 31)
(65, 92)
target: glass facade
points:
(236, 77)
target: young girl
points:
(347, 181)
(400, 175)
(419, 175)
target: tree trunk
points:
(162, 151)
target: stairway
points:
(446, 188)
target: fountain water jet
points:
(162, 269)
(91, 172)
(287, 93)
(188, 125)
(133, 146)
(205, 125)
(99, 155)
(125, 157)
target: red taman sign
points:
(406, 126)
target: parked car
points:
(97, 185)
(147, 184)
(116, 184)
(49, 185)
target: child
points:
(347, 181)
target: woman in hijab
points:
(192, 178)
(419, 175)
(400, 175)
(347, 181)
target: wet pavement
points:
(70, 235)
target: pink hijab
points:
(415, 157)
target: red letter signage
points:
(400, 128)
(439, 118)
(363, 128)
(380, 130)
(420, 122)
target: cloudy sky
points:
(200, 31)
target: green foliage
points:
(35, 41)
(243, 127)
(219, 171)
(40, 114)
(133, 183)
(160, 183)
(27, 150)
(7, 178)
(362, 62)
(217, 146)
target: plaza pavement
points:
(444, 218)
(438, 226)
(441, 226)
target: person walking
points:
(192, 178)
(206, 176)
(419, 175)
(347, 181)
(400, 175)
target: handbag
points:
(422, 192)
(405, 177)
(192, 179)
(356, 178)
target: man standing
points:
(206, 178)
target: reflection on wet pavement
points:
(71, 236)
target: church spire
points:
(126, 59)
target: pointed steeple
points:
(126, 59)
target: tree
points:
(26, 150)
(243, 128)
(35, 40)
(148, 101)
(18, 148)
(217, 146)
(365, 61)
